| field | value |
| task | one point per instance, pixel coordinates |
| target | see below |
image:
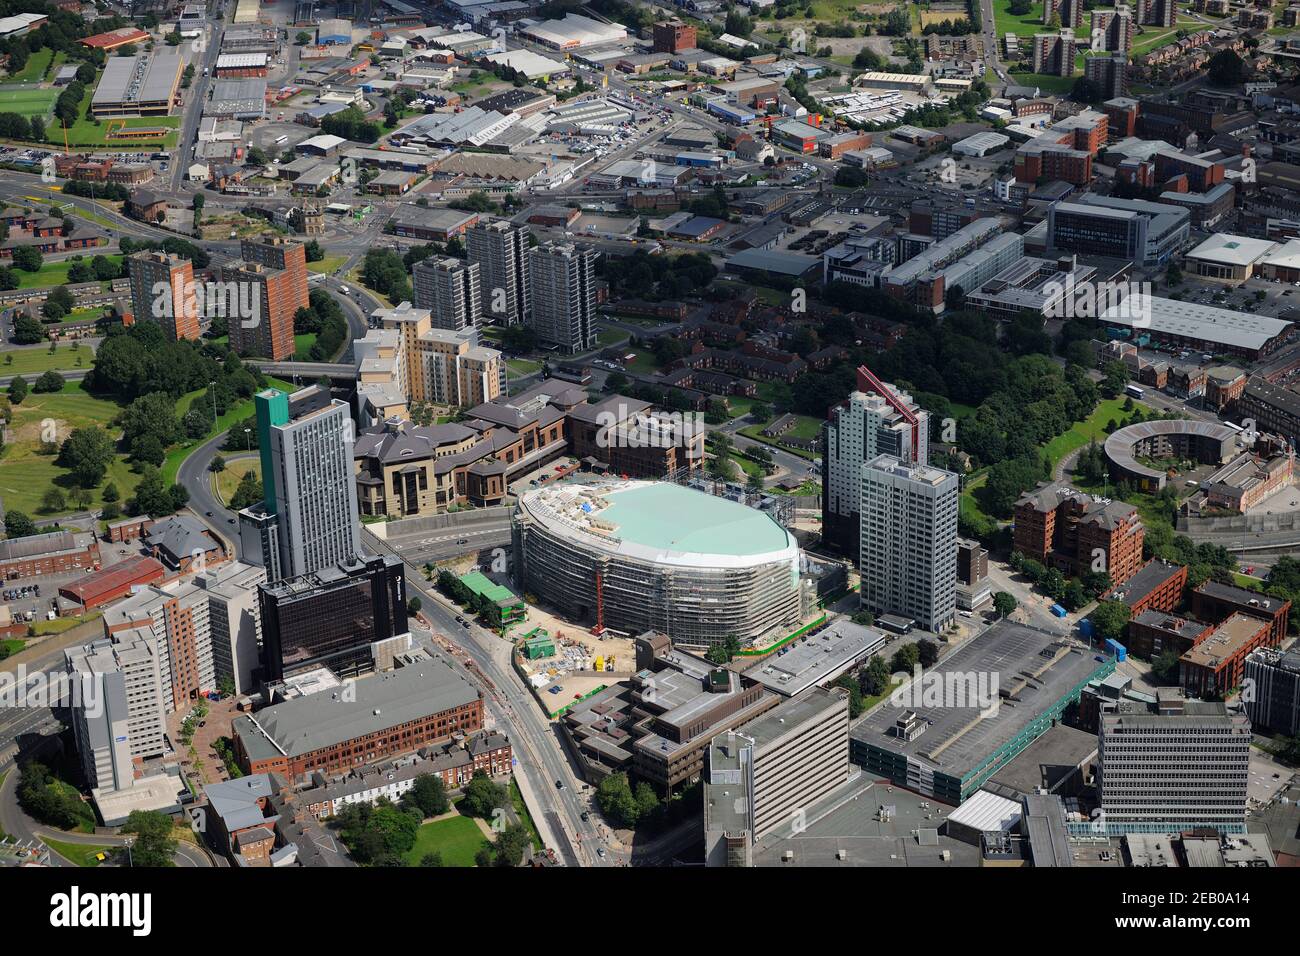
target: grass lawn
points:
(240, 410)
(61, 624)
(302, 346)
(521, 809)
(89, 132)
(805, 427)
(28, 102)
(41, 359)
(10, 647)
(756, 432)
(1091, 429)
(517, 367)
(1046, 83)
(326, 265)
(33, 70)
(611, 336)
(52, 273)
(643, 363)
(26, 473)
(225, 482)
(458, 839)
(77, 853)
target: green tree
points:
(875, 676)
(154, 845)
(17, 390)
(27, 258)
(429, 794)
(510, 845)
(18, 525)
(905, 658)
(1004, 603)
(482, 796)
(1165, 667)
(50, 381)
(87, 452)
(53, 501)
(1110, 618)
(616, 801)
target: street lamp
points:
(248, 439)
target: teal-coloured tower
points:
(272, 407)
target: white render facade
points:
(908, 552)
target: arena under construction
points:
(635, 556)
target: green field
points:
(516, 368)
(26, 473)
(28, 102)
(227, 480)
(51, 274)
(240, 410)
(326, 265)
(81, 854)
(302, 346)
(1093, 428)
(1048, 84)
(39, 359)
(35, 68)
(458, 839)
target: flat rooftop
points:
(305, 724)
(1204, 323)
(1227, 640)
(1047, 760)
(866, 825)
(817, 658)
(1033, 669)
(1149, 577)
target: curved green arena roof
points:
(671, 517)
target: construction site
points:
(636, 556)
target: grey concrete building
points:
(562, 293)
(773, 771)
(500, 250)
(449, 289)
(908, 551)
(1173, 765)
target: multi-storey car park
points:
(641, 555)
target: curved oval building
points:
(1209, 443)
(693, 566)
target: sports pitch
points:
(27, 102)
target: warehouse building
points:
(574, 32)
(143, 85)
(1202, 328)
(384, 715)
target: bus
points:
(282, 139)
(1133, 391)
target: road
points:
(541, 760)
(535, 739)
(197, 94)
(451, 542)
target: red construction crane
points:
(600, 605)
(867, 381)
